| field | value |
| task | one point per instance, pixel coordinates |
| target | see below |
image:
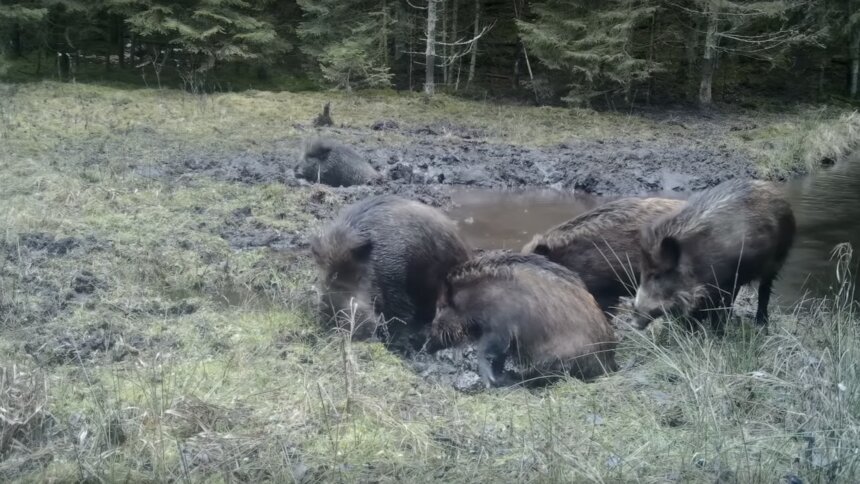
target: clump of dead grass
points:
(815, 139)
(24, 416)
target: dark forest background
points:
(593, 52)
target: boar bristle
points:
(611, 214)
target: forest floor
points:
(155, 294)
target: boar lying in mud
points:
(602, 245)
(383, 260)
(529, 308)
(327, 161)
(694, 261)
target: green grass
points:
(192, 361)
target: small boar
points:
(527, 307)
(326, 161)
(695, 260)
(602, 245)
(384, 260)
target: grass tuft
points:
(817, 138)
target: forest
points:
(587, 53)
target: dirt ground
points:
(427, 159)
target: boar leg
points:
(492, 352)
(764, 290)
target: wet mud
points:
(686, 158)
(32, 289)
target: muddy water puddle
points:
(507, 219)
(827, 207)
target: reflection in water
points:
(492, 219)
(827, 207)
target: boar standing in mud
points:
(602, 245)
(529, 308)
(327, 161)
(695, 260)
(383, 260)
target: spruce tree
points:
(349, 40)
(202, 33)
(760, 30)
(15, 20)
(590, 42)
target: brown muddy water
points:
(827, 207)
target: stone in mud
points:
(385, 125)
(401, 171)
(468, 382)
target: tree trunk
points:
(651, 56)
(855, 63)
(515, 79)
(383, 40)
(454, 7)
(64, 66)
(709, 58)
(120, 42)
(474, 61)
(430, 53)
(692, 56)
(854, 52)
(17, 47)
(444, 14)
(132, 53)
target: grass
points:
(139, 345)
(814, 138)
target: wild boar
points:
(529, 308)
(332, 163)
(602, 245)
(695, 260)
(383, 260)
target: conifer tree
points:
(349, 40)
(15, 20)
(590, 42)
(760, 30)
(202, 33)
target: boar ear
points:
(541, 249)
(670, 251)
(361, 252)
(444, 297)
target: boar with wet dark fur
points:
(602, 245)
(694, 261)
(332, 163)
(382, 261)
(529, 308)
